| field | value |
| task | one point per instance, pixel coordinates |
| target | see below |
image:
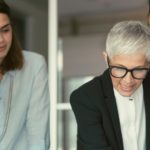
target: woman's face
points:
(5, 35)
(127, 85)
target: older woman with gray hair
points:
(113, 109)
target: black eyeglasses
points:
(121, 72)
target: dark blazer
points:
(95, 109)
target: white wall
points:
(82, 52)
(83, 55)
(37, 33)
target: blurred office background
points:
(82, 27)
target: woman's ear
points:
(105, 56)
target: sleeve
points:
(91, 134)
(38, 112)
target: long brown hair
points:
(14, 58)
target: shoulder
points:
(87, 92)
(93, 91)
(34, 62)
(33, 57)
(95, 85)
(90, 85)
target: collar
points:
(135, 95)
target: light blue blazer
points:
(24, 106)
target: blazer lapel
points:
(112, 107)
(146, 85)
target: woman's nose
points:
(128, 78)
(1, 37)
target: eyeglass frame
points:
(127, 70)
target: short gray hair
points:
(128, 37)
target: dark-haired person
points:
(113, 109)
(24, 96)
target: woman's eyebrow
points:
(6, 25)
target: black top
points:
(95, 109)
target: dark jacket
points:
(95, 109)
